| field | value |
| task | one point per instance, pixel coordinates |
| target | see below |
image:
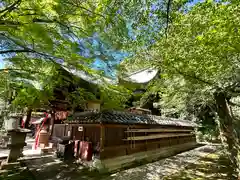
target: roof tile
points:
(121, 117)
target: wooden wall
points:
(117, 138)
(60, 130)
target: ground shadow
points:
(200, 163)
(213, 166)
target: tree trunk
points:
(29, 114)
(226, 128)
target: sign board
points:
(80, 128)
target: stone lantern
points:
(17, 141)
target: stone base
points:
(9, 166)
(46, 150)
(121, 162)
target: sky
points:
(1, 63)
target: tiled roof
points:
(120, 117)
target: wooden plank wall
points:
(114, 138)
(116, 143)
(92, 132)
(59, 130)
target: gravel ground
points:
(165, 167)
(50, 168)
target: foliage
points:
(114, 97)
(28, 90)
(199, 64)
(78, 97)
(39, 36)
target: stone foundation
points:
(121, 162)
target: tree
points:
(114, 97)
(199, 60)
(53, 31)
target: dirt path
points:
(168, 169)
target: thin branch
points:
(28, 14)
(195, 77)
(168, 15)
(15, 51)
(10, 23)
(88, 10)
(19, 69)
(26, 49)
(11, 7)
(62, 24)
(233, 104)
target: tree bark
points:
(29, 114)
(226, 128)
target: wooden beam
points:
(159, 130)
(116, 125)
(79, 124)
(52, 120)
(158, 136)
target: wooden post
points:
(102, 137)
(52, 122)
(28, 119)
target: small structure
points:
(121, 138)
(138, 110)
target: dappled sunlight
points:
(213, 166)
(170, 166)
(195, 164)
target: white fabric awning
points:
(142, 76)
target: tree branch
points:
(15, 51)
(233, 104)
(88, 10)
(10, 8)
(29, 50)
(18, 69)
(195, 77)
(168, 14)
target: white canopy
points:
(142, 76)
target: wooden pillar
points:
(51, 127)
(102, 137)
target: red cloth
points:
(22, 123)
(86, 150)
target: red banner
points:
(61, 115)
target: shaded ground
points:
(201, 163)
(211, 167)
(27, 150)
